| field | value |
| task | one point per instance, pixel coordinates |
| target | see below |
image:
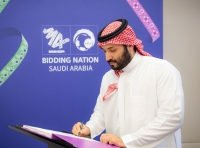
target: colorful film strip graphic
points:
(145, 19)
(3, 4)
(18, 57)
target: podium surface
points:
(51, 143)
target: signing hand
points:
(112, 139)
(85, 131)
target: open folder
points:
(79, 142)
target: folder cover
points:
(79, 142)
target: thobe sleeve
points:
(170, 112)
(96, 123)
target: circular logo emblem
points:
(84, 39)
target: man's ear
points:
(130, 47)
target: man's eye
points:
(113, 50)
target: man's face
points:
(117, 56)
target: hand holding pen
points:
(80, 130)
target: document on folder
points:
(79, 142)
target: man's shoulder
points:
(159, 64)
(164, 65)
(155, 60)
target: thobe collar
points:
(133, 62)
(113, 87)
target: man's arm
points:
(96, 123)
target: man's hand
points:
(84, 132)
(112, 139)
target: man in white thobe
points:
(141, 100)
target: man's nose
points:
(108, 56)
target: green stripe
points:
(3, 4)
(16, 60)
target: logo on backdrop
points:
(69, 47)
(69, 40)
(87, 42)
(55, 40)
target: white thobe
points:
(147, 110)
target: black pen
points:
(81, 126)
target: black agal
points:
(113, 34)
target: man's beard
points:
(122, 61)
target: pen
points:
(81, 126)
